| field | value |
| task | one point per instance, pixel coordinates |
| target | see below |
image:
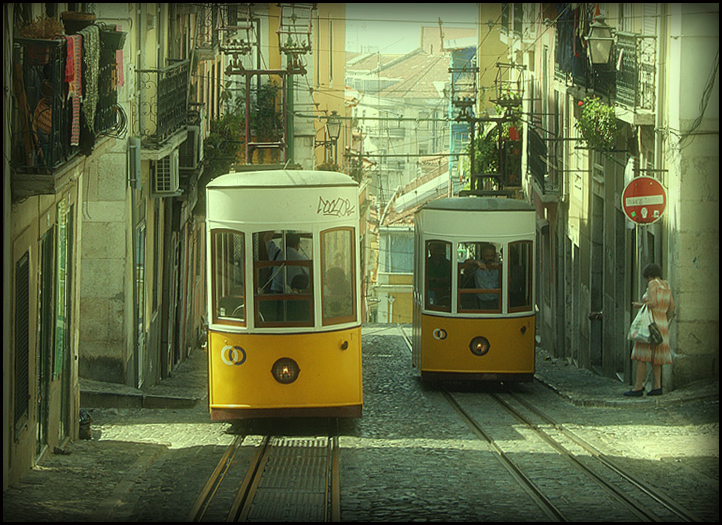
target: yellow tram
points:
(474, 315)
(284, 335)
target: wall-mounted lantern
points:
(333, 126)
(599, 41)
(332, 131)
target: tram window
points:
(283, 273)
(228, 276)
(480, 269)
(337, 269)
(438, 275)
(520, 267)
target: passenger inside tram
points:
(336, 293)
(438, 273)
(284, 289)
(481, 274)
(285, 274)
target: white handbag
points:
(640, 330)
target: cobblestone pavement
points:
(409, 458)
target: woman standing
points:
(658, 299)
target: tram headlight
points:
(479, 345)
(285, 370)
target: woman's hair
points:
(652, 270)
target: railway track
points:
(635, 498)
(288, 478)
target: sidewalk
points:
(187, 386)
(585, 388)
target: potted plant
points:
(509, 98)
(76, 20)
(111, 38)
(42, 28)
(597, 124)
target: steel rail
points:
(635, 507)
(267, 454)
(241, 505)
(665, 501)
(335, 473)
(214, 481)
(527, 484)
(529, 487)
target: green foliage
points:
(597, 124)
(226, 143)
(266, 121)
(486, 147)
(486, 154)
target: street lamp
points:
(332, 131)
(599, 41)
(333, 126)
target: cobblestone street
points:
(409, 458)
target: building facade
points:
(103, 134)
(103, 202)
(664, 125)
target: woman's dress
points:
(658, 298)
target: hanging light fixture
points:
(599, 41)
(333, 126)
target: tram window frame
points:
(527, 254)
(470, 295)
(290, 299)
(427, 276)
(220, 251)
(329, 262)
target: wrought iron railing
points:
(163, 109)
(48, 120)
(636, 72)
(41, 119)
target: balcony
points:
(163, 108)
(629, 78)
(49, 125)
(636, 78)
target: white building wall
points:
(691, 137)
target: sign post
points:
(644, 200)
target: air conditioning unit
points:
(167, 182)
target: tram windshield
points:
(520, 267)
(228, 272)
(337, 267)
(283, 273)
(438, 275)
(480, 266)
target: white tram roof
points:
(281, 179)
(478, 204)
(476, 218)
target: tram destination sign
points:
(644, 200)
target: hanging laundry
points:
(73, 76)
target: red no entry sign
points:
(644, 200)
